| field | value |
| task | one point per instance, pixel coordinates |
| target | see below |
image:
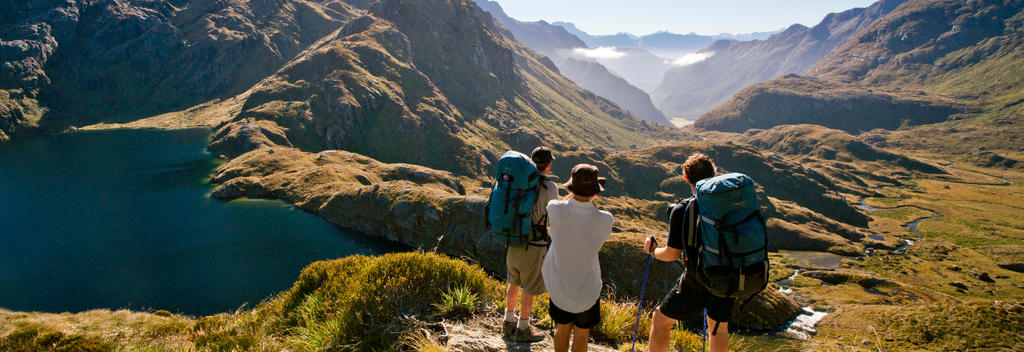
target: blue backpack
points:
(515, 191)
(733, 249)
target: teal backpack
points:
(733, 249)
(511, 202)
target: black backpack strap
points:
(487, 215)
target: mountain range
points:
(561, 47)
(689, 91)
(924, 62)
(662, 43)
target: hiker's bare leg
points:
(511, 297)
(580, 338)
(719, 342)
(661, 327)
(562, 334)
(525, 306)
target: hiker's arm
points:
(665, 254)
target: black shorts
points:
(583, 320)
(690, 302)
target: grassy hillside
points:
(795, 99)
(410, 301)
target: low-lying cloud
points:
(601, 52)
(692, 58)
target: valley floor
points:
(949, 288)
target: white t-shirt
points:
(571, 270)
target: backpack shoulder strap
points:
(692, 220)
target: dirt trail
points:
(484, 335)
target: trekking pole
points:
(704, 323)
(643, 287)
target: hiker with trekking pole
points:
(720, 233)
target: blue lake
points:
(123, 219)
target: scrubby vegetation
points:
(355, 303)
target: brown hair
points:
(698, 167)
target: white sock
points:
(523, 323)
(510, 316)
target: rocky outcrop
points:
(18, 113)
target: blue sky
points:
(680, 16)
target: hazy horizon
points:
(600, 17)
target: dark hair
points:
(698, 167)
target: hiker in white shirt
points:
(571, 271)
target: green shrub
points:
(685, 341)
(319, 336)
(162, 313)
(420, 342)
(37, 338)
(371, 302)
(456, 303)
(618, 322)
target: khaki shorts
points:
(524, 263)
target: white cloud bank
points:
(692, 58)
(602, 52)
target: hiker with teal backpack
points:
(517, 216)
(720, 233)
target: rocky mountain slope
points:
(558, 45)
(940, 59)
(79, 62)
(691, 90)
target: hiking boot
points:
(508, 329)
(528, 335)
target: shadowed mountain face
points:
(691, 90)
(77, 62)
(921, 63)
(558, 44)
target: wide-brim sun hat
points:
(585, 181)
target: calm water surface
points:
(123, 219)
